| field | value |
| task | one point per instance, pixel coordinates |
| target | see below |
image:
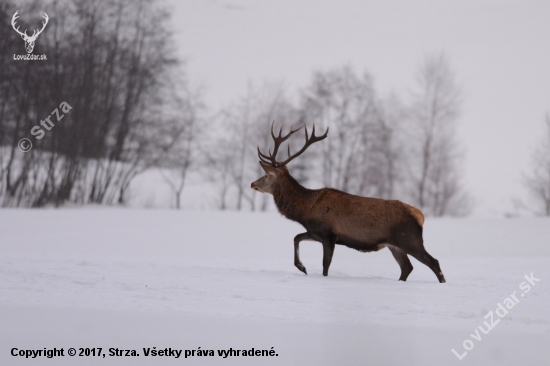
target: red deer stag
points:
(335, 217)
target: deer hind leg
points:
(328, 250)
(297, 239)
(424, 257)
(403, 261)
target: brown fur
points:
(351, 218)
(418, 215)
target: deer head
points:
(275, 169)
(29, 41)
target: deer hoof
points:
(301, 268)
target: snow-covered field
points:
(135, 279)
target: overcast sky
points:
(499, 50)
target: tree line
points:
(132, 110)
(378, 147)
(112, 62)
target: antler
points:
(270, 159)
(35, 34)
(13, 19)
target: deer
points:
(332, 217)
(29, 41)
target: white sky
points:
(499, 50)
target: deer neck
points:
(291, 198)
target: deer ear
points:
(268, 168)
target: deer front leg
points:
(297, 239)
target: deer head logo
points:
(29, 41)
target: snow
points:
(134, 279)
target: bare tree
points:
(435, 154)
(538, 181)
(244, 123)
(359, 157)
(183, 143)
